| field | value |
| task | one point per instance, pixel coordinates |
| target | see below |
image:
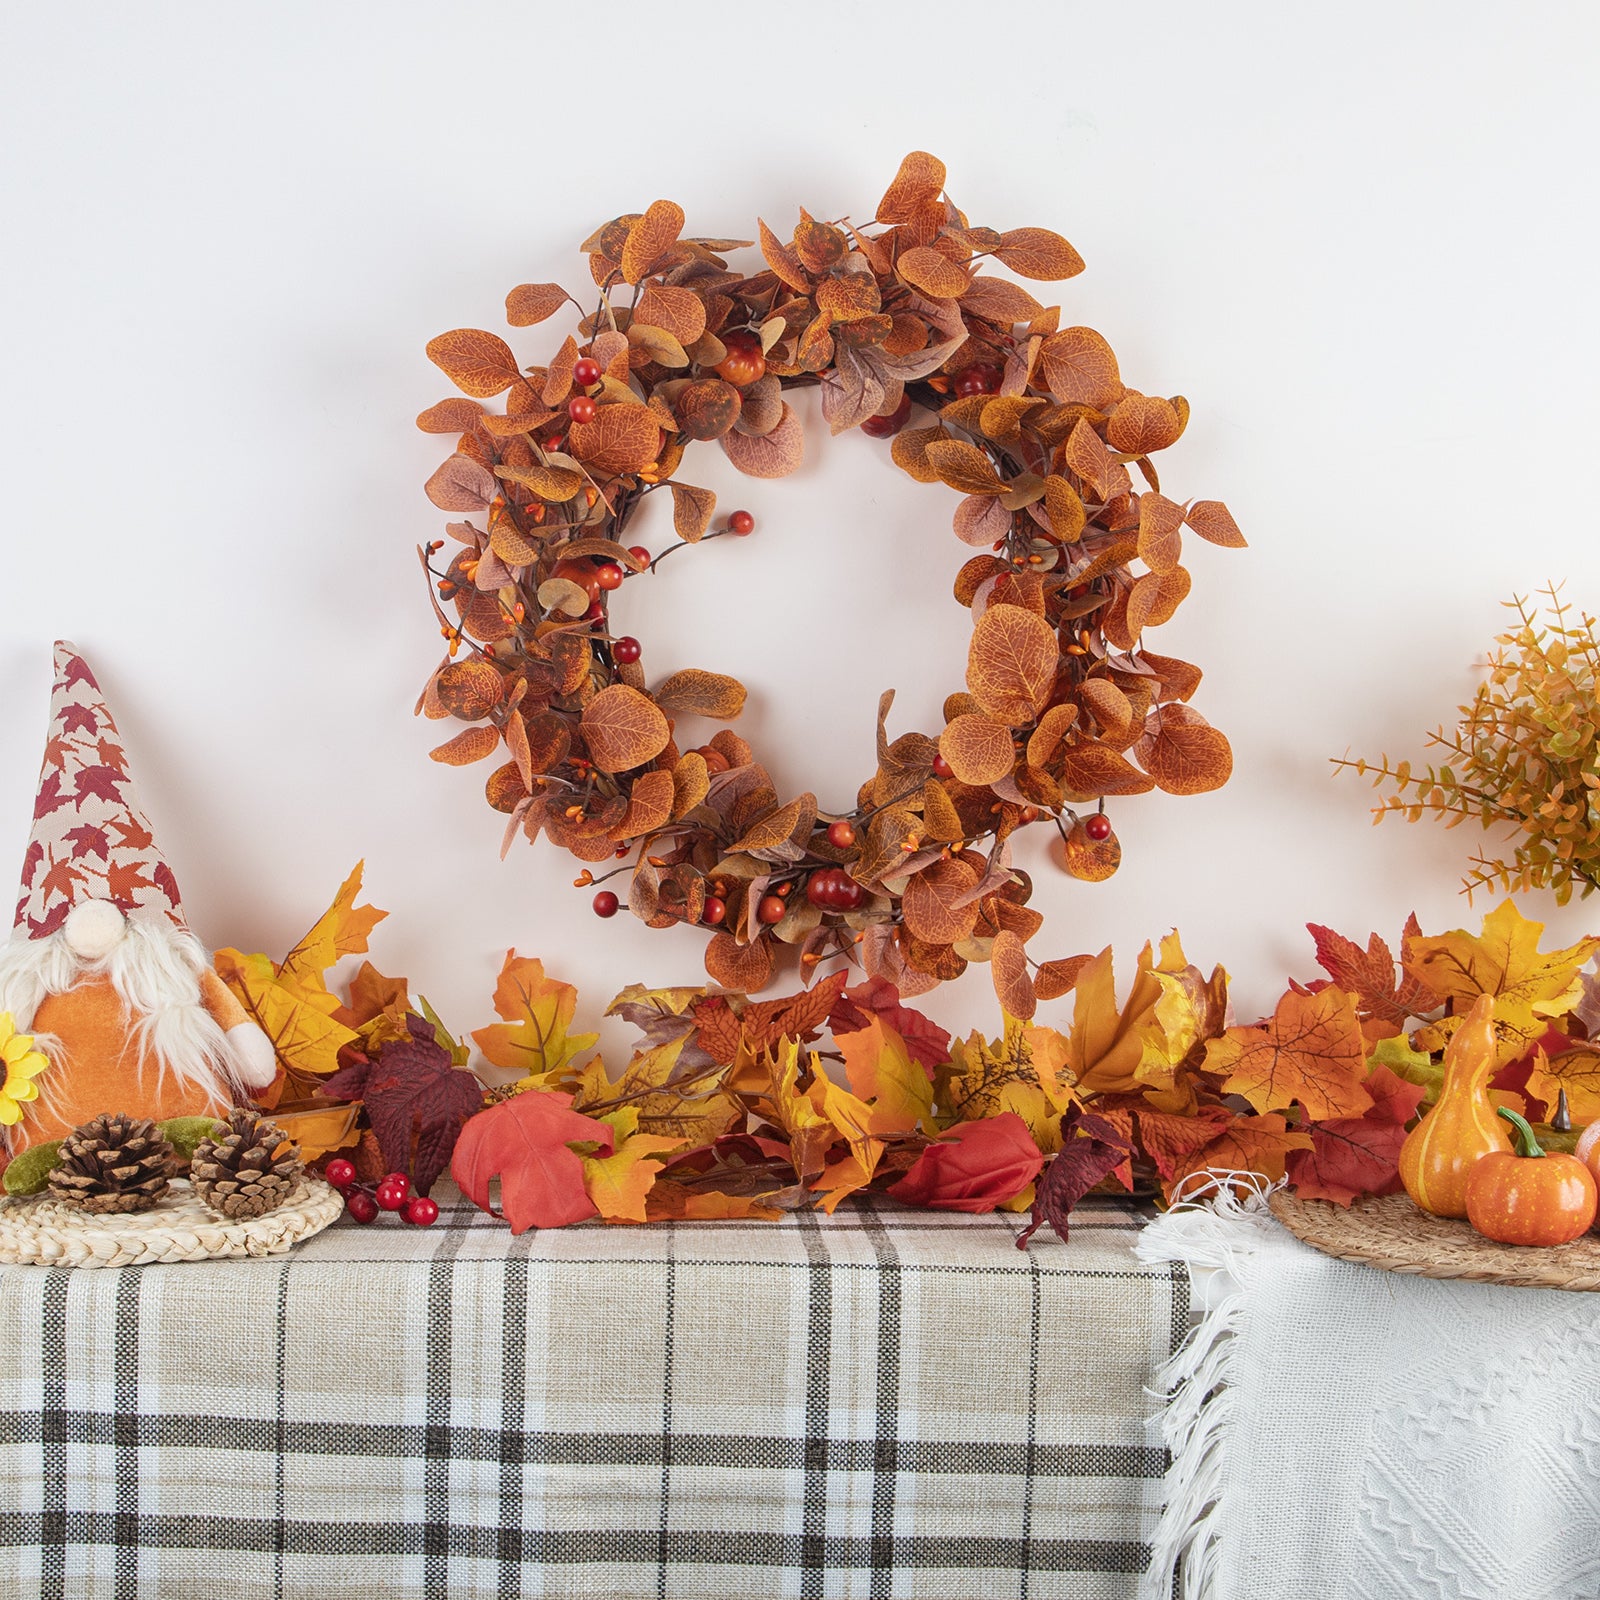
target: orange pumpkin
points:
(1462, 1128)
(1530, 1196)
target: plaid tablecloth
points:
(884, 1403)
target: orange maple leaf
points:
(1246, 1144)
(1310, 1050)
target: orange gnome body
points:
(102, 969)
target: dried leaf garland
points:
(1031, 425)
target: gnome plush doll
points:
(101, 967)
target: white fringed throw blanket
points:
(1343, 1432)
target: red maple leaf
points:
(30, 862)
(43, 927)
(1352, 1156)
(973, 1166)
(50, 797)
(525, 1142)
(1092, 1148)
(412, 1087)
(925, 1040)
(87, 840)
(105, 783)
(1370, 974)
(79, 719)
(77, 671)
(163, 880)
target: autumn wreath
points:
(1030, 422)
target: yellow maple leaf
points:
(340, 931)
(1051, 1050)
(810, 1131)
(533, 1038)
(306, 1038)
(880, 1069)
(984, 1078)
(1530, 986)
(1107, 1052)
(668, 1101)
(620, 1184)
(1578, 1072)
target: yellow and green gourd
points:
(1462, 1128)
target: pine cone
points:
(113, 1163)
(248, 1169)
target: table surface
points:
(886, 1402)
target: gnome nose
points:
(94, 928)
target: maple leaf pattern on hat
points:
(91, 840)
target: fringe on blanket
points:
(1215, 1231)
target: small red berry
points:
(741, 523)
(361, 1205)
(979, 379)
(714, 759)
(421, 1211)
(581, 408)
(586, 372)
(1098, 826)
(819, 887)
(397, 1180)
(941, 767)
(390, 1197)
(770, 909)
(606, 904)
(595, 612)
(639, 554)
(713, 911)
(610, 575)
(550, 446)
(627, 649)
(841, 835)
(340, 1173)
(887, 427)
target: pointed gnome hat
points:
(90, 839)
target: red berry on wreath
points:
(586, 372)
(581, 408)
(606, 904)
(713, 911)
(1098, 826)
(714, 759)
(741, 523)
(770, 909)
(887, 427)
(820, 887)
(639, 554)
(582, 573)
(610, 575)
(595, 613)
(361, 1206)
(841, 835)
(340, 1173)
(941, 767)
(849, 894)
(421, 1212)
(627, 649)
(745, 361)
(980, 378)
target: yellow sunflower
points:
(22, 1065)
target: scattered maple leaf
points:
(1352, 1156)
(1575, 1069)
(1311, 1052)
(340, 931)
(1261, 1145)
(1371, 975)
(619, 1184)
(306, 1038)
(1092, 1148)
(973, 1167)
(538, 1010)
(880, 1069)
(525, 1142)
(1106, 1053)
(412, 1090)
(926, 1042)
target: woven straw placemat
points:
(44, 1231)
(1388, 1231)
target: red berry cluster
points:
(393, 1193)
(834, 890)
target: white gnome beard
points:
(155, 971)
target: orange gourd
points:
(1530, 1196)
(1462, 1128)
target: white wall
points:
(1360, 239)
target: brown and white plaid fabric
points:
(886, 1403)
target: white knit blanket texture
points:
(1354, 1434)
